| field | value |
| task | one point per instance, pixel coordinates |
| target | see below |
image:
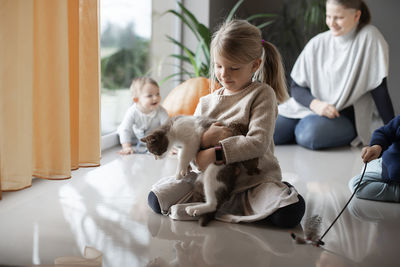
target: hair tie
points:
(262, 41)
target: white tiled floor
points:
(106, 208)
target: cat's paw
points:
(179, 176)
(192, 210)
(182, 173)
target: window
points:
(124, 48)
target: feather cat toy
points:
(312, 226)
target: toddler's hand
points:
(369, 153)
(214, 134)
(324, 109)
(126, 150)
(205, 158)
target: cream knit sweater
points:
(255, 106)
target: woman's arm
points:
(303, 96)
(383, 102)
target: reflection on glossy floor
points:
(105, 208)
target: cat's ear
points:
(150, 139)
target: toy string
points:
(320, 242)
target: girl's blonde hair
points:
(241, 42)
(138, 83)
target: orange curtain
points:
(49, 89)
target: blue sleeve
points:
(383, 102)
(387, 134)
(301, 94)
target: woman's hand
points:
(369, 153)
(204, 158)
(324, 109)
(214, 134)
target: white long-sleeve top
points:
(137, 124)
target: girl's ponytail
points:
(272, 71)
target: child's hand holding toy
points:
(369, 153)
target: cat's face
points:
(157, 143)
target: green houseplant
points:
(296, 23)
(199, 59)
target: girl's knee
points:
(289, 216)
(152, 200)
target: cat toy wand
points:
(319, 242)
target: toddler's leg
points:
(373, 187)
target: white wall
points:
(200, 8)
(162, 25)
(168, 24)
(385, 16)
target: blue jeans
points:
(314, 131)
(373, 186)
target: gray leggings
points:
(373, 187)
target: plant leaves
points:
(233, 10)
(169, 77)
(181, 57)
(183, 47)
(185, 21)
(193, 61)
(262, 15)
(262, 25)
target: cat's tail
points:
(206, 218)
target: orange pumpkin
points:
(183, 99)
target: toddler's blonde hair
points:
(138, 83)
(241, 42)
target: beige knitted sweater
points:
(255, 106)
